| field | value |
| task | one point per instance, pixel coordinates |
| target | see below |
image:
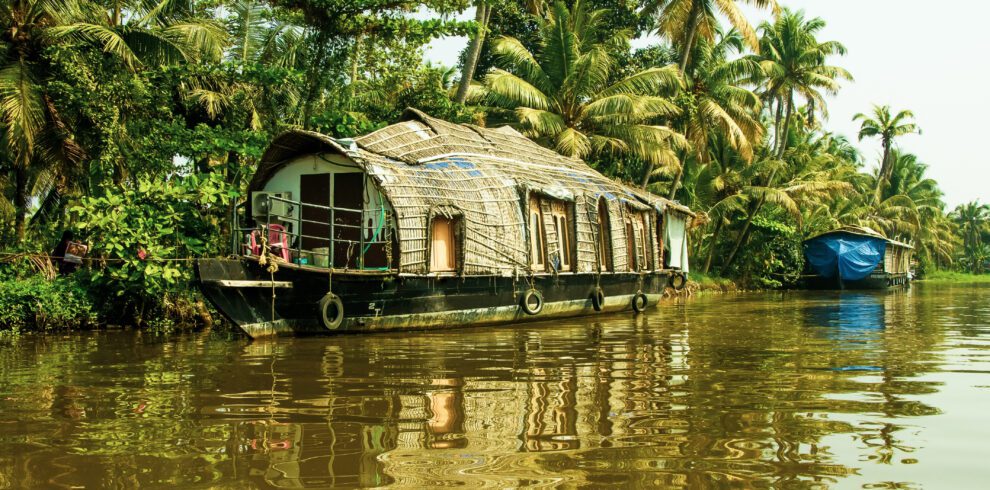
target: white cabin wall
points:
(287, 180)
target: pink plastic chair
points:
(278, 242)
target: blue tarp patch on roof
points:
(852, 257)
(457, 162)
(577, 177)
(437, 165)
(604, 192)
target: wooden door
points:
(315, 222)
(604, 237)
(348, 194)
(443, 247)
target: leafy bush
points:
(37, 303)
(144, 239)
(772, 258)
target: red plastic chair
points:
(278, 242)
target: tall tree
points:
(794, 63)
(718, 102)
(973, 220)
(483, 14)
(887, 128)
(683, 22)
(34, 131)
(561, 95)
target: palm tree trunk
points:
(20, 201)
(884, 174)
(677, 179)
(778, 116)
(744, 235)
(676, 183)
(714, 243)
(691, 33)
(886, 166)
(646, 175)
(481, 16)
(352, 87)
(787, 125)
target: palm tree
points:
(482, 15)
(685, 21)
(911, 206)
(887, 128)
(973, 220)
(35, 134)
(810, 175)
(258, 39)
(794, 63)
(719, 101)
(482, 19)
(562, 97)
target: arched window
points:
(604, 237)
(443, 244)
(537, 238)
(639, 239)
(563, 223)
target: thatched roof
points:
(427, 166)
(863, 231)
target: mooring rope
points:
(270, 260)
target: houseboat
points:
(430, 224)
(856, 258)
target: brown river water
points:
(795, 390)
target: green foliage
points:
(957, 277)
(565, 96)
(35, 303)
(773, 258)
(973, 223)
(170, 221)
(139, 129)
(343, 124)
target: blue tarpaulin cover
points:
(851, 256)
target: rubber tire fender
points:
(527, 297)
(328, 304)
(640, 302)
(678, 281)
(598, 299)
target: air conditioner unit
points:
(265, 204)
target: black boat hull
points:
(287, 302)
(877, 280)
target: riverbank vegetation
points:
(138, 123)
(949, 276)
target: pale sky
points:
(905, 53)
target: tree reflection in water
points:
(748, 390)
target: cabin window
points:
(604, 237)
(537, 238)
(443, 245)
(639, 243)
(646, 240)
(562, 223)
(630, 244)
(660, 245)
